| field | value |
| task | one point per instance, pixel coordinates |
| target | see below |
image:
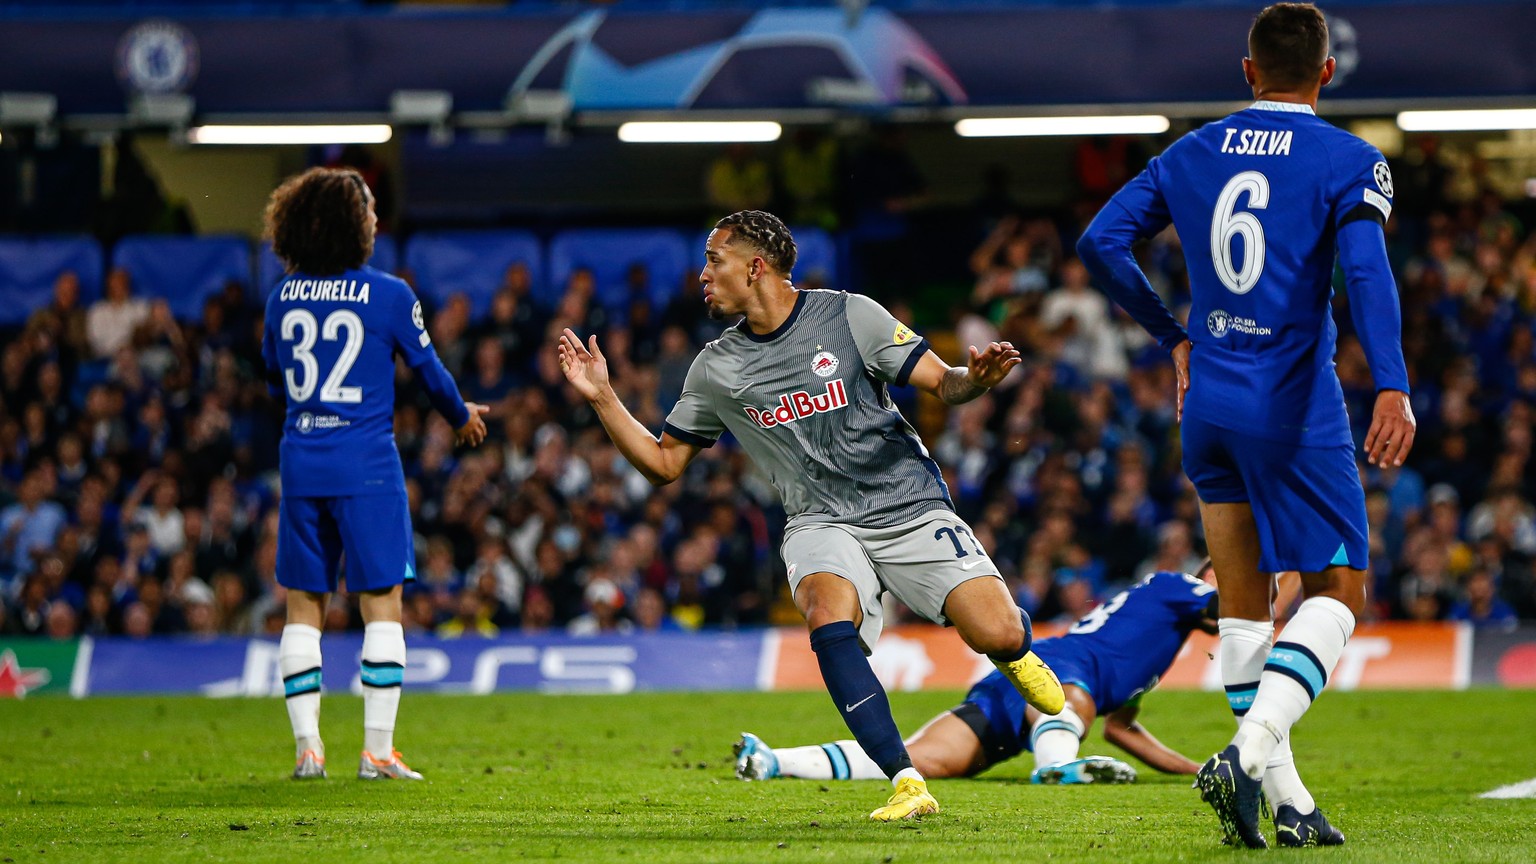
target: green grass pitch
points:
(647, 778)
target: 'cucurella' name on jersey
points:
(800, 405)
(334, 290)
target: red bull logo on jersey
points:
(800, 405)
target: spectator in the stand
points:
(1481, 605)
(1081, 314)
(29, 526)
(471, 618)
(63, 319)
(604, 600)
(112, 320)
(651, 613)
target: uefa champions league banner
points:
(746, 58)
(550, 664)
(1392, 655)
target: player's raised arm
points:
(660, 460)
(954, 385)
(1373, 305)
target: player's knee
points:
(1346, 585)
(998, 634)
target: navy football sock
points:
(858, 695)
(1029, 641)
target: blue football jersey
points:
(1125, 645)
(333, 340)
(1258, 199)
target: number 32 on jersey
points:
(300, 328)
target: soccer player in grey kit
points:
(802, 383)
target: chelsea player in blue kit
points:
(333, 328)
(1105, 662)
(1265, 201)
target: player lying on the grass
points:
(1106, 662)
(802, 383)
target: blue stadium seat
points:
(444, 263)
(184, 271)
(386, 257)
(609, 252)
(818, 255)
(28, 266)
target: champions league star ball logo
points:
(1219, 323)
(1383, 176)
(157, 57)
(306, 423)
(824, 364)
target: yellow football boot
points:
(910, 800)
(1035, 682)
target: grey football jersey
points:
(809, 404)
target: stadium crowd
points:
(138, 453)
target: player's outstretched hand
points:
(1392, 429)
(473, 432)
(584, 365)
(1181, 374)
(988, 368)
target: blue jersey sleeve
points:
(1362, 205)
(408, 331)
(1135, 212)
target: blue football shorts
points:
(373, 530)
(1307, 501)
(995, 711)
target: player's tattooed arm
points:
(956, 387)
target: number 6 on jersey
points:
(1227, 222)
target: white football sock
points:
(1054, 739)
(383, 667)
(840, 760)
(298, 661)
(1245, 646)
(906, 774)
(1294, 674)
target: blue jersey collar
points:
(1288, 107)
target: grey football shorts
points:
(920, 562)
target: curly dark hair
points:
(768, 235)
(1289, 44)
(318, 222)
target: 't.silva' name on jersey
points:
(800, 405)
(333, 290)
(1258, 142)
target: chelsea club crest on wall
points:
(157, 57)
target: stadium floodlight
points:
(1009, 127)
(700, 132)
(369, 133)
(1467, 120)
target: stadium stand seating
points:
(29, 266)
(610, 252)
(183, 270)
(443, 263)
